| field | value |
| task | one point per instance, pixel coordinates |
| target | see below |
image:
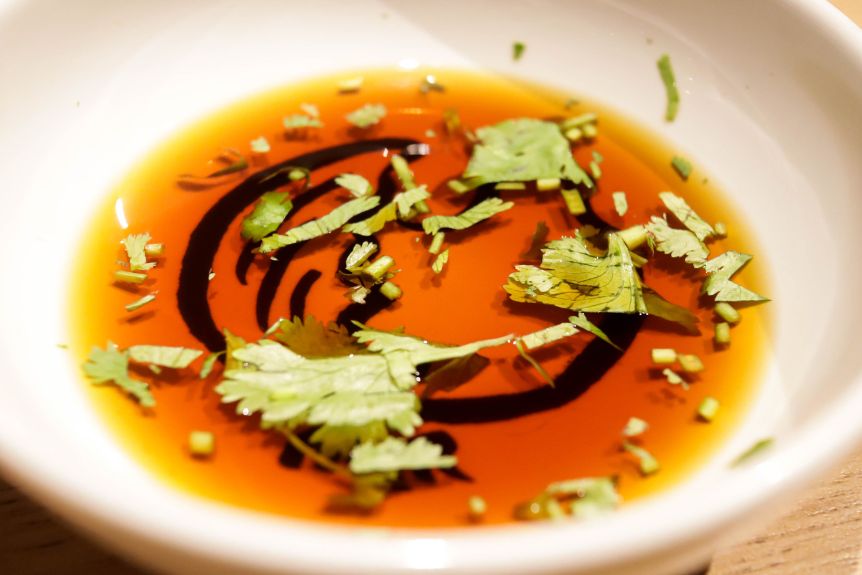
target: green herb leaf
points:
(135, 244)
(667, 77)
(393, 454)
(621, 204)
(366, 116)
(518, 50)
(359, 254)
(682, 166)
(657, 306)
(268, 214)
(522, 150)
(478, 213)
(298, 121)
(110, 365)
(522, 350)
(320, 226)
(677, 243)
(687, 216)
(440, 261)
(585, 498)
(401, 203)
(583, 323)
(356, 184)
(311, 338)
(635, 426)
(573, 277)
(718, 283)
(338, 440)
(260, 145)
(164, 356)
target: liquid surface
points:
(510, 456)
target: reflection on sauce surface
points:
(513, 434)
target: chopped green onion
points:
(663, 355)
(590, 131)
(130, 277)
(648, 463)
(579, 121)
(349, 85)
(690, 363)
(633, 237)
(547, 184)
(722, 334)
(673, 378)
(595, 170)
(667, 76)
(154, 250)
(574, 202)
(477, 507)
(390, 290)
(518, 50)
(403, 172)
(635, 426)
(727, 312)
(621, 205)
(573, 134)
(682, 166)
(138, 304)
(201, 443)
(297, 174)
(510, 186)
(379, 267)
(708, 408)
(720, 229)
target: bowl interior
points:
(771, 93)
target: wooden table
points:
(822, 535)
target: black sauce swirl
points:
(582, 372)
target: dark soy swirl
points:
(583, 371)
(206, 238)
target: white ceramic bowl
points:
(772, 104)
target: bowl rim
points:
(804, 455)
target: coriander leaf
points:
(518, 50)
(621, 204)
(393, 454)
(398, 410)
(110, 365)
(440, 261)
(356, 184)
(358, 255)
(657, 306)
(519, 345)
(338, 440)
(401, 203)
(297, 121)
(635, 426)
(667, 77)
(594, 495)
(164, 356)
(573, 277)
(366, 116)
(687, 216)
(260, 145)
(522, 150)
(582, 322)
(548, 335)
(647, 463)
(135, 244)
(267, 216)
(718, 283)
(358, 293)
(478, 213)
(311, 338)
(682, 166)
(677, 243)
(320, 226)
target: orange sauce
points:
(510, 461)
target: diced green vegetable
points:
(720, 229)
(477, 507)
(440, 261)
(518, 50)
(574, 202)
(663, 356)
(260, 145)
(154, 250)
(708, 408)
(130, 277)
(727, 312)
(390, 290)
(201, 443)
(690, 363)
(139, 303)
(547, 184)
(635, 426)
(437, 242)
(621, 204)
(349, 85)
(674, 378)
(634, 237)
(722, 334)
(682, 166)
(667, 77)
(367, 116)
(647, 463)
